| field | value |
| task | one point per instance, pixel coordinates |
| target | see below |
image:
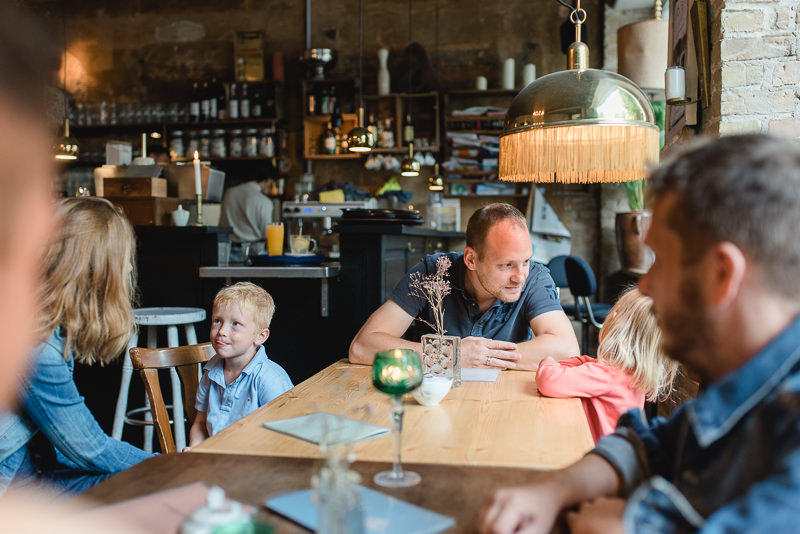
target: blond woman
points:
(630, 366)
(86, 315)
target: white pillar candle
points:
(508, 73)
(675, 83)
(144, 145)
(481, 84)
(198, 187)
(528, 74)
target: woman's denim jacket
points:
(726, 461)
(51, 405)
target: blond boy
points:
(239, 378)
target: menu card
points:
(319, 427)
(382, 514)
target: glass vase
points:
(441, 356)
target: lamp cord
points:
(410, 87)
(360, 55)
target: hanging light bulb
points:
(436, 182)
(410, 166)
(360, 139)
(66, 147)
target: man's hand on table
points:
(525, 509)
(487, 353)
(599, 516)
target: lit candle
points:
(144, 145)
(198, 187)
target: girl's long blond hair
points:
(631, 340)
(89, 283)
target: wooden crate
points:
(149, 211)
(128, 187)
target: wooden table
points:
(456, 491)
(501, 424)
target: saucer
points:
(293, 255)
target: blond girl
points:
(630, 367)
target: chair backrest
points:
(557, 271)
(580, 277)
(186, 360)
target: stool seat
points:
(171, 317)
(167, 316)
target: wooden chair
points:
(186, 360)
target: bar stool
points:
(170, 317)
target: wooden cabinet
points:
(472, 150)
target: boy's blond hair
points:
(250, 296)
(631, 341)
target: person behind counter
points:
(499, 296)
(247, 210)
(86, 314)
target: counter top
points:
(383, 227)
(294, 271)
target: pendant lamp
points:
(579, 125)
(410, 167)
(436, 182)
(360, 139)
(66, 147)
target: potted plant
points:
(631, 228)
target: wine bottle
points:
(233, 103)
(194, 103)
(205, 106)
(256, 110)
(244, 103)
(222, 102)
(408, 130)
(213, 110)
(328, 140)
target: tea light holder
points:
(675, 87)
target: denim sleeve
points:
(54, 405)
(637, 448)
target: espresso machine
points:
(316, 220)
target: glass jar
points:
(176, 146)
(266, 144)
(218, 149)
(192, 144)
(251, 143)
(204, 144)
(235, 144)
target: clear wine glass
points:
(396, 372)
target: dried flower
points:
(433, 288)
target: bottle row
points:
(219, 143)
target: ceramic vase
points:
(631, 229)
(383, 72)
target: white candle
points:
(675, 83)
(508, 74)
(198, 187)
(144, 145)
(481, 83)
(528, 74)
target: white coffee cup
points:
(432, 390)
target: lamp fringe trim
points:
(579, 154)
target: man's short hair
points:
(252, 297)
(483, 219)
(743, 189)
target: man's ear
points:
(262, 336)
(470, 257)
(729, 266)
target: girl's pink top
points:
(606, 393)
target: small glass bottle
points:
(328, 141)
(233, 103)
(204, 144)
(235, 144)
(176, 147)
(266, 144)
(218, 149)
(244, 103)
(251, 143)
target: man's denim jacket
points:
(726, 461)
(52, 405)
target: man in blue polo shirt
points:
(503, 306)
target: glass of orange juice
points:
(275, 239)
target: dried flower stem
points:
(433, 288)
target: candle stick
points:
(198, 187)
(144, 145)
